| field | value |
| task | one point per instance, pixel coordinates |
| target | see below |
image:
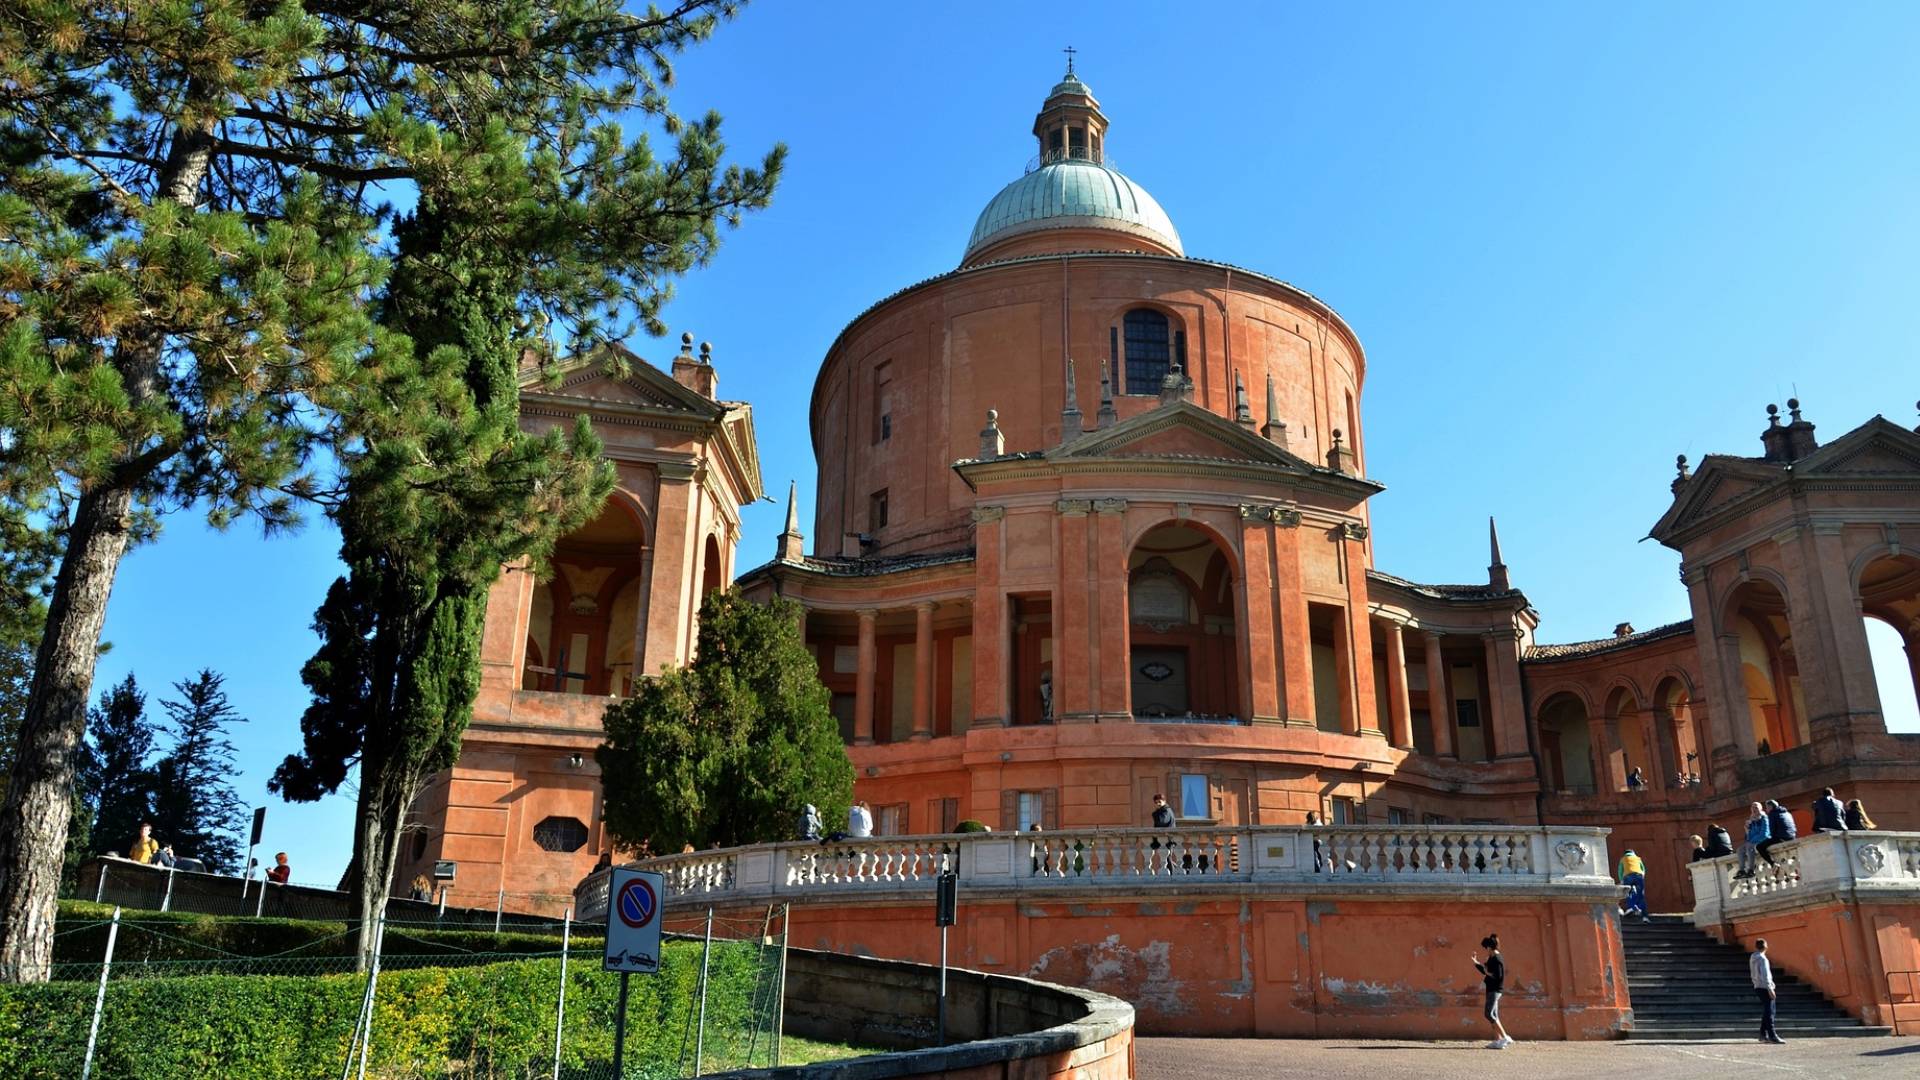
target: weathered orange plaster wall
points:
(1849, 951)
(1254, 965)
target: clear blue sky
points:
(1574, 242)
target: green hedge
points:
(493, 1020)
(148, 937)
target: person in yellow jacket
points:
(145, 847)
(1633, 874)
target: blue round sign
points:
(636, 903)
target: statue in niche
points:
(1046, 696)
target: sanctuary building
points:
(1092, 524)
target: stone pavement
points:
(1394, 1059)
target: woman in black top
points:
(1494, 973)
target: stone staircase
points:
(1685, 985)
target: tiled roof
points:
(867, 565)
(1576, 649)
(1443, 592)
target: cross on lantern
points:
(1069, 50)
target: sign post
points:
(946, 901)
(259, 823)
(633, 940)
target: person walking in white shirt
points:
(1762, 971)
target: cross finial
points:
(1069, 50)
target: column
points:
(990, 661)
(1439, 697)
(1727, 734)
(863, 687)
(1400, 711)
(1290, 605)
(1073, 630)
(1503, 686)
(1359, 629)
(669, 588)
(1261, 657)
(1343, 672)
(1113, 664)
(923, 671)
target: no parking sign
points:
(634, 901)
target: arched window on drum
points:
(1151, 349)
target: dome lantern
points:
(1070, 126)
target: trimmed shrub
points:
(971, 826)
(490, 1020)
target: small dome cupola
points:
(1071, 198)
(1070, 126)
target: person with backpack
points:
(1718, 842)
(1633, 874)
(1828, 814)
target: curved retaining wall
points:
(998, 1025)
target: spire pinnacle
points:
(792, 544)
(1071, 427)
(1276, 428)
(1496, 570)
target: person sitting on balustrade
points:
(1758, 831)
(1857, 818)
(1780, 829)
(1718, 842)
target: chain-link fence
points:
(140, 996)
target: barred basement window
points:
(560, 834)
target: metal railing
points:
(1413, 858)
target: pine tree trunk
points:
(39, 802)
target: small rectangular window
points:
(877, 510)
(1345, 811)
(890, 820)
(945, 813)
(1467, 713)
(1397, 816)
(886, 426)
(1033, 810)
(882, 400)
(1195, 797)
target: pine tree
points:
(27, 554)
(190, 192)
(118, 783)
(195, 808)
(728, 749)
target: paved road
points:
(1349, 1059)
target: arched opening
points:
(1566, 744)
(711, 576)
(1890, 605)
(1184, 638)
(1149, 341)
(1769, 673)
(1636, 742)
(1681, 732)
(584, 623)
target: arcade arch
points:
(1679, 731)
(1183, 633)
(1566, 744)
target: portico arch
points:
(1888, 590)
(584, 626)
(1755, 620)
(1635, 743)
(1183, 625)
(1678, 730)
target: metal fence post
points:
(100, 887)
(700, 1032)
(499, 905)
(100, 996)
(166, 899)
(560, 1012)
(260, 905)
(780, 991)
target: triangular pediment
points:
(612, 375)
(1720, 481)
(1877, 447)
(1180, 430)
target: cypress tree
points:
(728, 749)
(190, 192)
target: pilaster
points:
(1074, 634)
(1112, 664)
(670, 586)
(991, 662)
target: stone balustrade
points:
(1396, 859)
(1812, 869)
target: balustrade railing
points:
(1856, 865)
(1312, 859)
